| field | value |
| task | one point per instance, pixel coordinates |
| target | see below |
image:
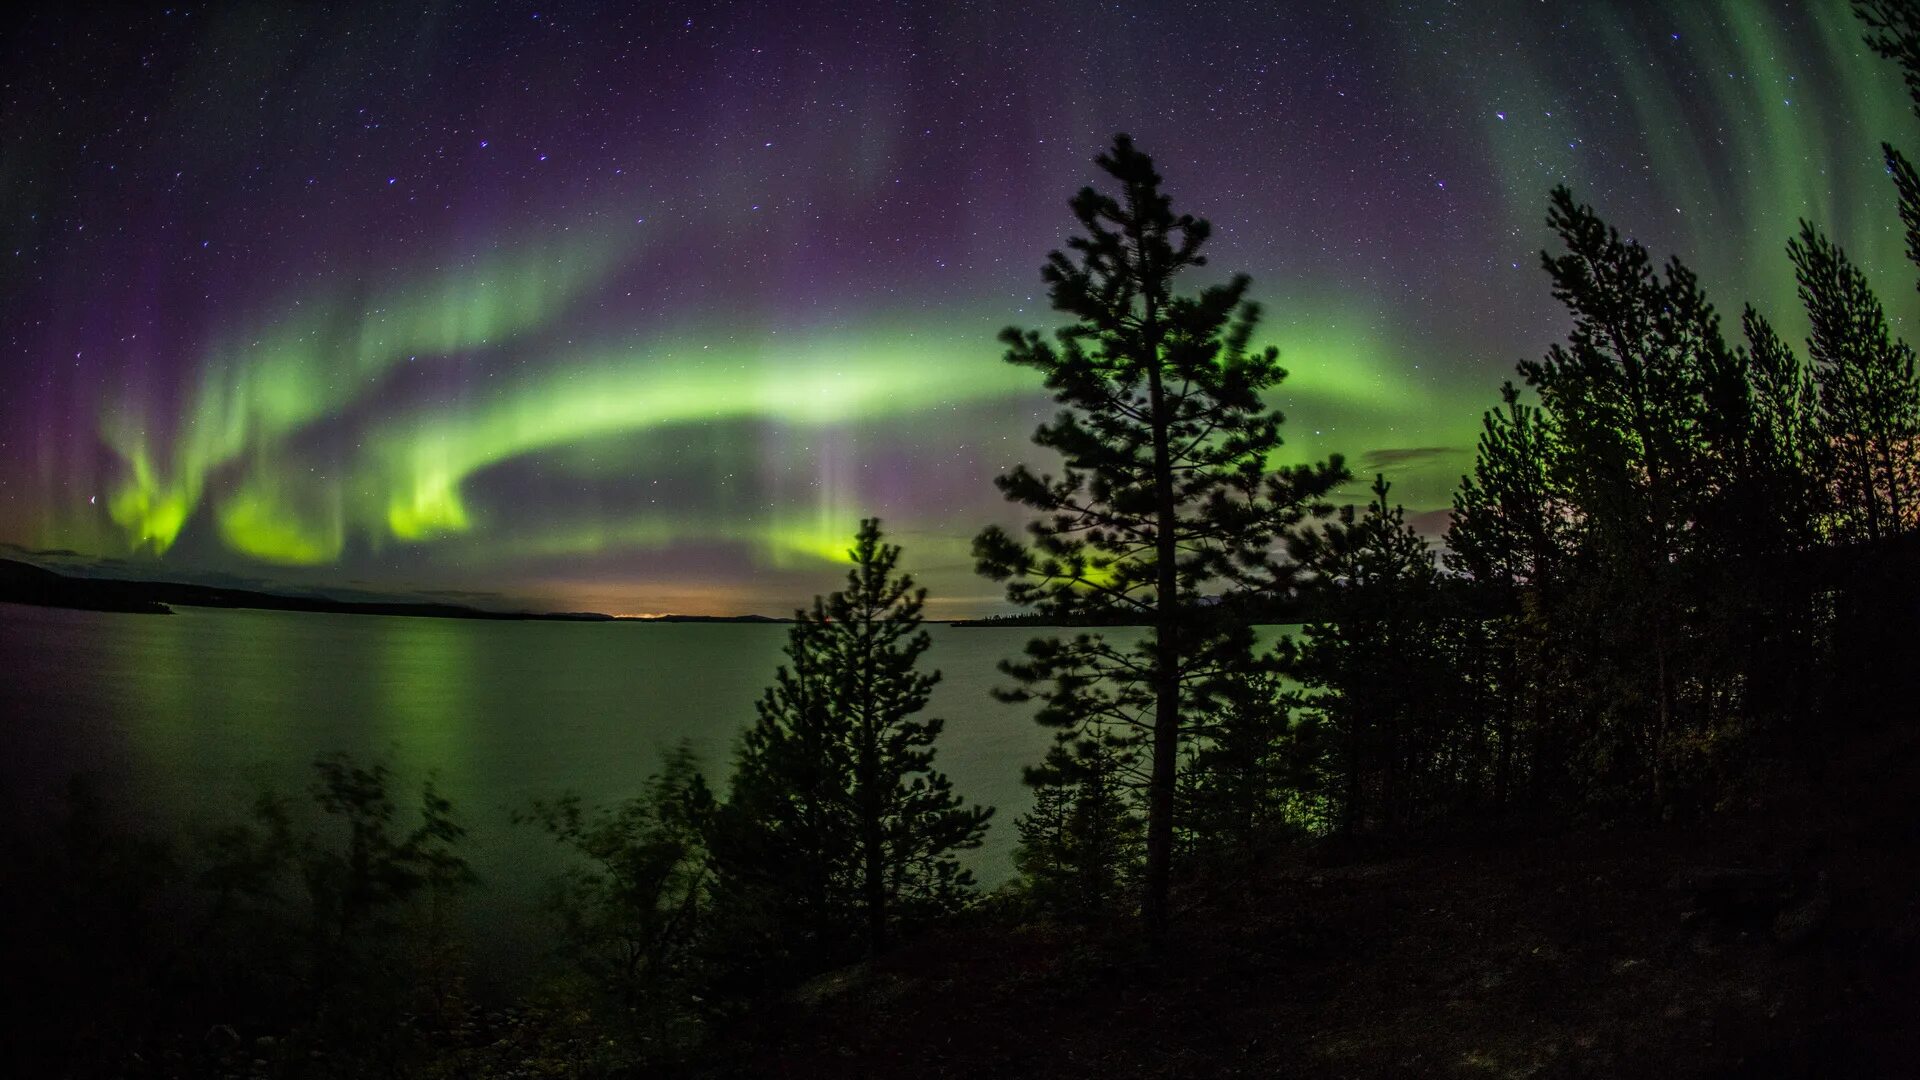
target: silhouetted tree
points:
(1376, 666)
(1639, 457)
(632, 910)
(1167, 496)
(1509, 526)
(1869, 412)
(1080, 844)
(1793, 458)
(1251, 774)
(1893, 31)
(318, 908)
(1510, 534)
(1882, 618)
(1643, 529)
(838, 826)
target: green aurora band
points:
(254, 394)
(467, 364)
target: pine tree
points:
(1643, 523)
(1793, 456)
(838, 827)
(1374, 664)
(1167, 497)
(1637, 460)
(1626, 390)
(1893, 31)
(1510, 534)
(1869, 411)
(1509, 527)
(1251, 772)
(1080, 843)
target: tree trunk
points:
(872, 828)
(1166, 747)
(876, 892)
(872, 840)
(1503, 734)
(1896, 508)
(1166, 678)
(1661, 717)
(1869, 498)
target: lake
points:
(182, 718)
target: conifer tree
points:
(1509, 526)
(1080, 843)
(1787, 439)
(1251, 772)
(1374, 663)
(1626, 389)
(1167, 497)
(1869, 400)
(1637, 457)
(1893, 31)
(1510, 534)
(838, 826)
(1643, 516)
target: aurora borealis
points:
(641, 307)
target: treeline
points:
(1674, 558)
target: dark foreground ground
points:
(1777, 943)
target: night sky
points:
(639, 308)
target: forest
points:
(1656, 684)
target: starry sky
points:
(640, 307)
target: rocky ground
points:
(1767, 944)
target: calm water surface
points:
(182, 718)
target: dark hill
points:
(23, 583)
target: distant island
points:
(1274, 612)
(700, 618)
(25, 583)
(1032, 619)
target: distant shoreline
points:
(25, 583)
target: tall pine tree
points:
(1893, 31)
(838, 827)
(1792, 457)
(1510, 533)
(1168, 496)
(1869, 396)
(1634, 456)
(1382, 681)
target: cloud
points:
(463, 594)
(1402, 457)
